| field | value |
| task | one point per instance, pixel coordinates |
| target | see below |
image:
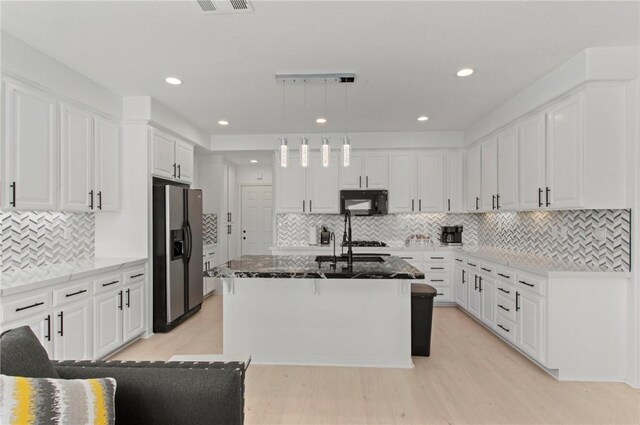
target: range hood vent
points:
(219, 7)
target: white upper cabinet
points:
(474, 177)
(184, 161)
(291, 186)
(323, 194)
(431, 182)
(507, 196)
(76, 159)
(107, 164)
(489, 167)
(30, 149)
(162, 155)
(454, 181)
(402, 182)
(367, 170)
(531, 164)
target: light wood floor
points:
(472, 377)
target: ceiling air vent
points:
(219, 7)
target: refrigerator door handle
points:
(190, 246)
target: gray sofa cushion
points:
(21, 354)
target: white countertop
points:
(536, 264)
(363, 249)
(38, 277)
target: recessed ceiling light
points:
(173, 81)
(223, 122)
(321, 120)
(464, 72)
(423, 118)
(254, 161)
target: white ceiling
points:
(244, 157)
(405, 55)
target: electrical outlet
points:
(600, 234)
(563, 232)
(67, 233)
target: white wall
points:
(208, 177)
(254, 174)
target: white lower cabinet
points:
(488, 301)
(72, 332)
(529, 337)
(460, 287)
(41, 326)
(107, 323)
(474, 301)
(133, 312)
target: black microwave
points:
(364, 202)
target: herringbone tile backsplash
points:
(37, 238)
(209, 229)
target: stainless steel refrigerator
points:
(177, 259)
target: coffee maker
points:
(451, 235)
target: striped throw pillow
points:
(25, 401)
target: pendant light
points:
(284, 144)
(326, 148)
(304, 142)
(346, 143)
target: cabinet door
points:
(31, 149)
(530, 325)
(453, 172)
(488, 300)
(232, 194)
(531, 167)
(184, 161)
(474, 302)
(460, 278)
(507, 170)
(402, 183)
(565, 140)
(76, 160)
(323, 191)
(473, 178)
(163, 155)
(41, 325)
(107, 323)
(107, 164)
(489, 167)
(375, 171)
(351, 176)
(133, 312)
(291, 186)
(430, 182)
(73, 333)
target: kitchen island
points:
(294, 310)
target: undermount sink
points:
(344, 259)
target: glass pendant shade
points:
(346, 151)
(284, 152)
(304, 151)
(326, 152)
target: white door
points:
(489, 167)
(41, 325)
(351, 176)
(488, 300)
(107, 323)
(73, 333)
(460, 286)
(402, 183)
(323, 191)
(133, 311)
(107, 164)
(184, 161)
(474, 302)
(430, 182)
(473, 178)
(531, 167)
(453, 171)
(257, 219)
(290, 186)
(375, 171)
(163, 156)
(565, 139)
(31, 149)
(76, 160)
(529, 335)
(507, 170)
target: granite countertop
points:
(37, 277)
(304, 267)
(535, 264)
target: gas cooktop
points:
(366, 244)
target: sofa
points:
(147, 392)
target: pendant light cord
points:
(283, 111)
(346, 108)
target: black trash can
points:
(421, 317)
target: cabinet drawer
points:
(438, 279)
(71, 293)
(506, 305)
(506, 275)
(437, 257)
(436, 267)
(443, 295)
(506, 328)
(486, 268)
(532, 283)
(459, 260)
(472, 263)
(134, 275)
(25, 306)
(107, 283)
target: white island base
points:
(323, 322)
